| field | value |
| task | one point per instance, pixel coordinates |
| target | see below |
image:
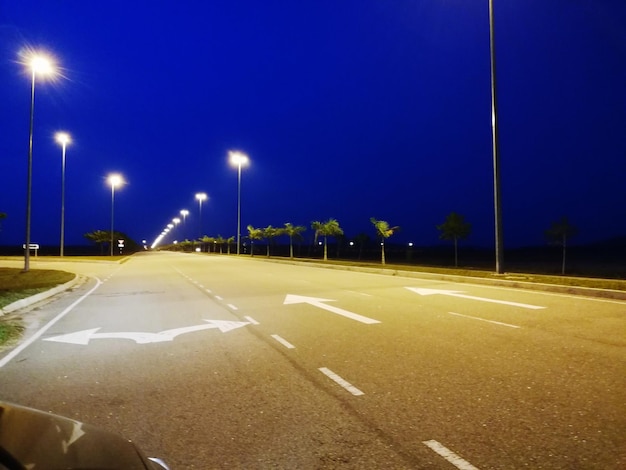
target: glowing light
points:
(238, 158)
(62, 138)
(115, 180)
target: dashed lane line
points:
(283, 341)
(450, 456)
(344, 383)
(483, 319)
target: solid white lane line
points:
(37, 335)
(252, 320)
(450, 456)
(284, 342)
(232, 307)
(345, 384)
(482, 319)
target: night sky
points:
(348, 109)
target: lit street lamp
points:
(201, 197)
(38, 65)
(184, 213)
(62, 138)
(238, 159)
(114, 180)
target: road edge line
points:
(6, 359)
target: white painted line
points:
(218, 297)
(359, 293)
(232, 307)
(284, 342)
(208, 290)
(482, 319)
(252, 320)
(5, 360)
(345, 384)
(450, 456)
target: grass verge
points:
(16, 285)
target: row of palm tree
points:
(324, 230)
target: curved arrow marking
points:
(455, 293)
(83, 337)
(317, 302)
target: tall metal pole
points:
(496, 153)
(63, 200)
(239, 207)
(200, 220)
(29, 182)
(112, 213)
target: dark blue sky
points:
(347, 109)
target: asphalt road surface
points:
(212, 361)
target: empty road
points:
(212, 361)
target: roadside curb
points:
(28, 301)
(500, 281)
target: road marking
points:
(83, 337)
(483, 319)
(5, 360)
(317, 302)
(359, 293)
(450, 456)
(219, 298)
(252, 320)
(284, 342)
(459, 294)
(208, 290)
(344, 383)
(232, 307)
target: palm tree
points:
(330, 228)
(383, 231)
(292, 231)
(254, 234)
(269, 233)
(208, 240)
(558, 233)
(99, 237)
(220, 242)
(229, 241)
(454, 228)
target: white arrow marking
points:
(454, 293)
(83, 337)
(317, 302)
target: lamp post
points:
(238, 159)
(184, 213)
(114, 180)
(62, 138)
(496, 153)
(201, 197)
(38, 65)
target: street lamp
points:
(184, 213)
(62, 138)
(39, 65)
(238, 159)
(496, 153)
(201, 197)
(114, 180)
